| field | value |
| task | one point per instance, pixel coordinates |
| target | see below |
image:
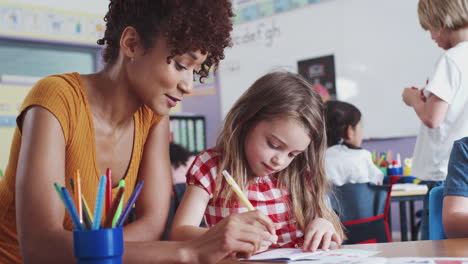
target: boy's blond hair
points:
(440, 14)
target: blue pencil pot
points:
(397, 171)
(103, 246)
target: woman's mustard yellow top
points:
(65, 97)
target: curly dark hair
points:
(188, 25)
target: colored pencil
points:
(108, 190)
(113, 209)
(99, 203)
(78, 196)
(71, 209)
(238, 190)
(119, 208)
(59, 191)
(129, 204)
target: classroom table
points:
(402, 197)
(428, 248)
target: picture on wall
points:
(320, 72)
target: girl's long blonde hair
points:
(279, 95)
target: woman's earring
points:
(132, 60)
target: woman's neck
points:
(110, 97)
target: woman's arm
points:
(152, 207)
(39, 211)
(189, 214)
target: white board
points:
(379, 49)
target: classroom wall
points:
(379, 49)
(206, 105)
(402, 145)
(211, 106)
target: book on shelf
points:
(189, 132)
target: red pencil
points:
(108, 195)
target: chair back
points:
(353, 201)
(363, 208)
(436, 227)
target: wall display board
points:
(32, 22)
(378, 46)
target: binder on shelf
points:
(175, 129)
(200, 135)
(183, 133)
(189, 131)
(191, 137)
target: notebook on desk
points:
(409, 187)
(296, 254)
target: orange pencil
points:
(113, 208)
(78, 196)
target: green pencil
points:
(119, 209)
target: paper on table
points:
(408, 187)
(354, 259)
(291, 254)
(346, 261)
(427, 261)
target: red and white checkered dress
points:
(263, 194)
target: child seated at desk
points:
(345, 160)
(272, 143)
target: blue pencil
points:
(67, 200)
(129, 204)
(99, 203)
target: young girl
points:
(444, 103)
(272, 143)
(345, 160)
(117, 118)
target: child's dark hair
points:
(188, 25)
(178, 155)
(338, 116)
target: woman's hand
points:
(320, 232)
(237, 234)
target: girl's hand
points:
(239, 234)
(320, 232)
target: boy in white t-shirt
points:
(442, 104)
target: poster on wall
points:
(248, 10)
(28, 21)
(320, 72)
